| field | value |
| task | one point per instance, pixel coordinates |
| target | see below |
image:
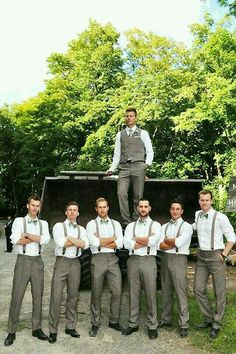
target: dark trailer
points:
(85, 187)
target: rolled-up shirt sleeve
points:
(154, 239)
(58, 235)
(185, 236)
(128, 238)
(91, 230)
(119, 235)
(84, 237)
(227, 228)
(17, 230)
(45, 237)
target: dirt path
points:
(107, 340)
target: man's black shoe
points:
(183, 332)
(214, 332)
(127, 331)
(204, 325)
(52, 338)
(93, 331)
(116, 326)
(164, 324)
(38, 333)
(72, 333)
(9, 339)
(152, 333)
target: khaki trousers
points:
(27, 270)
(210, 263)
(142, 273)
(105, 266)
(174, 279)
(66, 272)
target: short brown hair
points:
(131, 109)
(34, 197)
(177, 201)
(72, 203)
(144, 200)
(101, 199)
(204, 192)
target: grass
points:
(225, 343)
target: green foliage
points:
(185, 99)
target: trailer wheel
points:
(85, 259)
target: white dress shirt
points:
(182, 242)
(142, 230)
(222, 228)
(105, 231)
(147, 144)
(31, 249)
(60, 239)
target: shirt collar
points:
(128, 129)
(176, 221)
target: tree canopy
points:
(185, 98)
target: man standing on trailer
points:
(133, 154)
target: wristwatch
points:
(27, 235)
(223, 256)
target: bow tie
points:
(104, 221)
(173, 222)
(203, 215)
(73, 224)
(32, 221)
(143, 222)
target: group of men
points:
(142, 237)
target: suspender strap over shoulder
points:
(177, 235)
(213, 230)
(97, 230)
(40, 233)
(24, 230)
(66, 234)
(149, 234)
(178, 232)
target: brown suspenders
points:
(65, 234)
(178, 233)
(40, 232)
(149, 234)
(97, 230)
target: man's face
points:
(143, 208)
(205, 202)
(176, 211)
(102, 210)
(33, 208)
(72, 212)
(130, 119)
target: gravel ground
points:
(107, 340)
